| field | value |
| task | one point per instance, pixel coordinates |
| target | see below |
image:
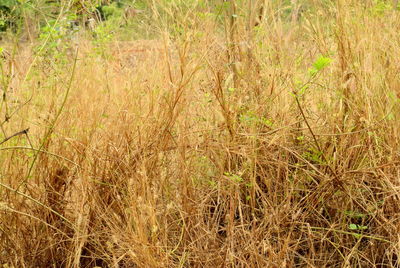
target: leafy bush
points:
(9, 14)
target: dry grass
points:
(192, 151)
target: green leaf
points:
(354, 214)
(321, 63)
(358, 236)
(353, 227)
(8, 3)
(249, 185)
(234, 177)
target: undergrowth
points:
(243, 134)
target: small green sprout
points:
(356, 227)
(319, 65)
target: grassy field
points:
(204, 134)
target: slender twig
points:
(336, 178)
(39, 151)
(22, 132)
(37, 202)
(51, 128)
(7, 208)
(351, 233)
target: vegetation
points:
(179, 133)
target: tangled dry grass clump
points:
(208, 149)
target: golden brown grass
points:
(192, 151)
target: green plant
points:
(55, 40)
(380, 7)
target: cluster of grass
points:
(244, 134)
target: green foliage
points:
(8, 3)
(356, 227)
(139, 4)
(380, 7)
(321, 63)
(103, 35)
(354, 214)
(55, 40)
(113, 11)
(313, 155)
(9, 14)
(251, 118)
(234, 177)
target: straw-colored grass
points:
(202, 147)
